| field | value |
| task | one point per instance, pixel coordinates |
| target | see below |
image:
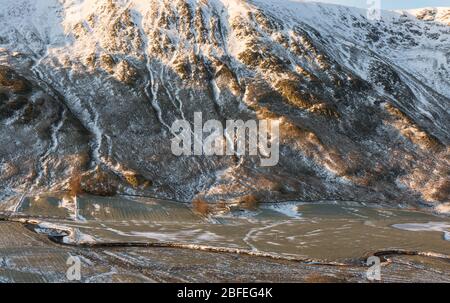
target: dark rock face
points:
(96, 95)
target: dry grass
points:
(75, 185)
(442, 191)
(132, 180)
(249, 202)
(409, 129)
(125, 72)
(295, 96)
(137, 181)
(13, 81)
(325, 110)
(201, 207)
(292, 93)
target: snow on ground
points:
(53, 21)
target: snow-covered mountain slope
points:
(90, 88)
(435, 14)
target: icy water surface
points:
(326, 231)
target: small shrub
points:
(10, 79)
(75, 185)
(125, 72)
(249, 202)
(90, 60)
(182, 68)
(409, 129)
(137, 180)
(107, 62)
(201, 207)
(293, 94)
(442, 192)
(325, 110)
(132, 180)
(99, 183)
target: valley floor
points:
(26, 256)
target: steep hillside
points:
(90, 89)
